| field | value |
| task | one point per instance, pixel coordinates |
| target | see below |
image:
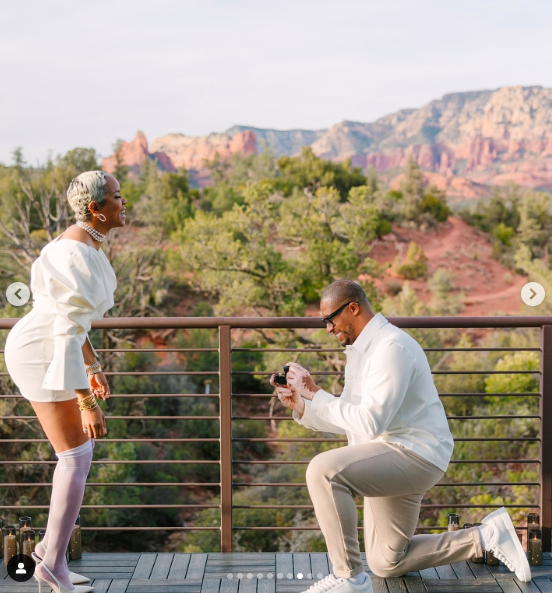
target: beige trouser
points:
(393, 481)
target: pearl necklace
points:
(91, 231)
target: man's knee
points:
(317, 469)
(384, 568)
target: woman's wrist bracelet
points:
(87, 403)
(93, 368)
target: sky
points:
(84, 73)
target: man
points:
(399, 446)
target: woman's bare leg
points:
(61, 421)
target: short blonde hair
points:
(87, 187)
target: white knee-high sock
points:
(58, 470)
(69, 482)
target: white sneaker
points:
(505, 544)
(339, 585)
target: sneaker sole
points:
(525, 568)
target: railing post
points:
(225, 411)
(546, 435)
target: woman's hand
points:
(93, 423)
(300, 380)
(99, 386)
(289, 397)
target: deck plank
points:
(429, 573)
(196, 568)
(284, 565)
(247, 586)
(229, 586)
(446, 572)
(301, 565)
(319, 565)
(414, 585)
(179, 567)
(144, 567)
(457, 586)
(210, 586)
(162, 566)
(266, 586)
(544, 585)
(379, 585)
(527, 587)
(509, 586)
(396, 585)
(480, 570)
(221, 565)
(118, 586)
(462, 570)
(101, 585)
(164, 586)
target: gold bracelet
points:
(87, 403)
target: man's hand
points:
(99, 386)
(299, 380)
(289, 397)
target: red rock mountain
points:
(133, 154)
(465, 142)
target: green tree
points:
(311, 173)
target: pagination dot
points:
(280, 576)
(249, 575)
(229, 576)
(299, 575)
(319, 575)
(240, 575)
(289, 575)
(309, 576)
(260, 576)
(269, 576)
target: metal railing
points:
(225, 418)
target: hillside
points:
(470, 140)
(487, 287)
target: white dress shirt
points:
(389, 396)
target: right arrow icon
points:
(533, 294)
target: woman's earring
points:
(101, 216)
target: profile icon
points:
(21, 568)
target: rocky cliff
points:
(464, 141)
(133, 154)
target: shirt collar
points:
(370, 330)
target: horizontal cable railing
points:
(227, 412)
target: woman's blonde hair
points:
(87, 187)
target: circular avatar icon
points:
(533, 294)
(21, 568)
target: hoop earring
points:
(101, 217)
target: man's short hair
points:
(344, 291)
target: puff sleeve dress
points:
(72, 284)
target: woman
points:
(51, 360)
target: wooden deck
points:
(273, 573)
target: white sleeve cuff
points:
(67, 370)
(319, 401)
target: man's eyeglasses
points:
(332, 316)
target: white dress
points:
(72, 284)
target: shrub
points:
(414, 265)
